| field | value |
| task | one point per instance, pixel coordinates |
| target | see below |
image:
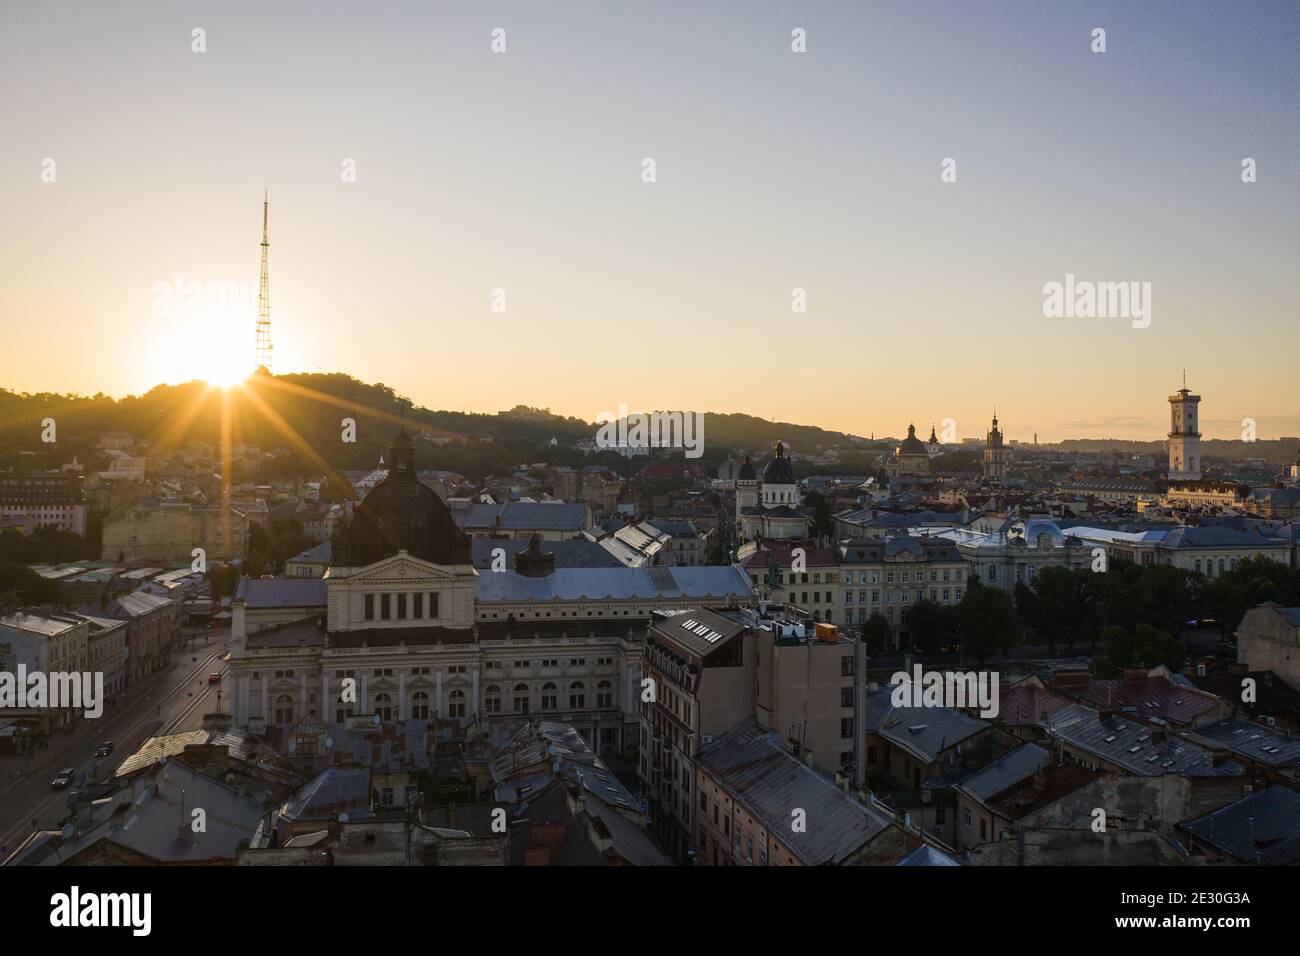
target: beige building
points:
(701, 674)
(1268, 639)
(404, 627)
(170, 531)
(759, 805)
(152, 625)
(47, 642)
(888, 577)
(806, 680)
(711, 668)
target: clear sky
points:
(775, 170)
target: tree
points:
(21, 585)
(875, 633)
(986, 622)
(1144, 647)
(823, 525)
(930, 624)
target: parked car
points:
(104, 749)
(63, 778)
(214, 678)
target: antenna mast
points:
(264, 298)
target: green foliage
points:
(473, 444)
(1143, 647)
(875, 633)
(46, 546)
(822, 523)
(21, 585)
(931, 625)
(986, 622)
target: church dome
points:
(911, 445)
(402, 514)
(779, 470)
(1038, 533)
(746, 472)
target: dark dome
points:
(911, 445)
(778, 470)
(401, 514)
(746, 472)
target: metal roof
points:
(281, 592)
(754, 767)
(1261, 828)
(713, 583)
(925, 732)
(1007, 771)
(1135, 747)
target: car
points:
(214, 678)
(104, 749)
(63, 778)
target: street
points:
(168, 702)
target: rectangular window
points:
(370, 607)
(433, 604)
(418, 611)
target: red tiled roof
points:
(1152, 696)
(1028, 703)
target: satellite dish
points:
(329, 742)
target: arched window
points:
(420, 705)
(284, 709)
(605, 695)
(548, 697)
(577, 696)
(384, 706)
(456, 704)
(492, 699)
(521, 698)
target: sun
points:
(216, 352)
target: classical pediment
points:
(403, 567)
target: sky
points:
(774, 171)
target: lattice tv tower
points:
(264, 300)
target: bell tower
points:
(1184, 439)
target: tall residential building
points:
(1184, 439)
(709, 669)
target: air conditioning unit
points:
(1271, 721)
(706, 739)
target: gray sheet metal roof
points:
(1134, 746)
(1261, 828)
(1007, 771)
(926, 855)
(752, 764)
(574, 553)
(925, 732)
(1253, 741)
(281, 592)
(332, 792)
(716, 583)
